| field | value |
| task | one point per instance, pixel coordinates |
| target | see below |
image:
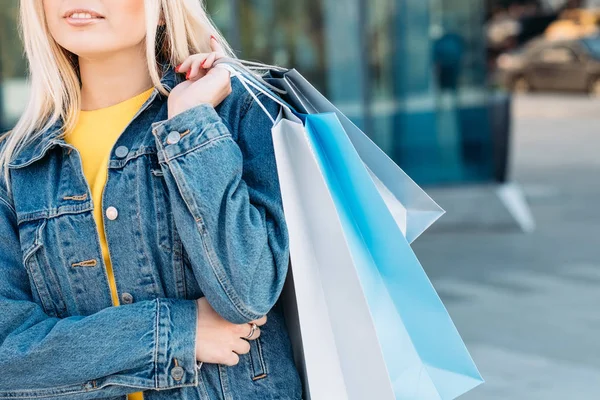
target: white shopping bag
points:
(335, 343)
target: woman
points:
(118, 191)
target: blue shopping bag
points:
(424, 353)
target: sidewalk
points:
(527, 305)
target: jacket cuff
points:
(189, 130)
(175, 351)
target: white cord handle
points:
(245, 82)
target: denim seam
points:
(156, 342)
(59, 303)
(26, 262)
(203, 388)
(54, 212)
(202, 119)
(9, 205)
(41, 154)
(246, 105)
(197, 147)
(143, 251)
(261, 357)
(140, 152)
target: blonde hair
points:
(55, 87)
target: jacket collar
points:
(36, 148)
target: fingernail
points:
(187, 75)
(177, 67)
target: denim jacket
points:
(199, 213)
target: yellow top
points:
(94, 136)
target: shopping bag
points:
(413, 210)
(347, 250)
(423, 351)
(335, 344)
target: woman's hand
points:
(218, 341)
(203, 84)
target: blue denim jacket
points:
(199, 214)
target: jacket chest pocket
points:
(44, 281)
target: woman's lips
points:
(82, 17)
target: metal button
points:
(177, 373)
(112, 213)
(121, 151)
(127, 298)
(173, 137)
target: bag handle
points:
(247, 82)
(239, 65)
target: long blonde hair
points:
(53, 71)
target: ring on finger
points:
(253, 329)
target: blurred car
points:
(565, 65)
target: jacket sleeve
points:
(115, 351)
(224, 190)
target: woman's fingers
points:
(208, 63)
(216, 46)
(255, 335)
(243, 331)
(241, 346)
(195, 70)
(195, 65)
(260, 322)
(186, 65)
(231, 359)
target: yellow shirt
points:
(94, 136)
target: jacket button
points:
(111, 213)
(127, 298)
(177, 373)
(173, 137)
(121, 151)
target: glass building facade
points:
(411, 73)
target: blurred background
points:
(493, 106)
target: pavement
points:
(527, 304)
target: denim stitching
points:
(198, 147)
(156, 340)
(9, 205)
(27, 263)
(261, 357)
(54, 212)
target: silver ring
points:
(254, 328)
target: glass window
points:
(13, 86)
(411, 74)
